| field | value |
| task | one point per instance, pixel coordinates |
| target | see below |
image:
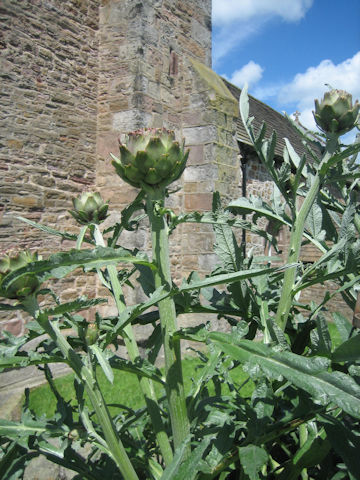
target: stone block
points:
(14, 326)
(201, 173)
(196, 155)
(198, 201)
(29, 201)
(200, 135)
(208, 262)
(126, 121)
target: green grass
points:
(334, 335)
(125, 388)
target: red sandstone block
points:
(200, 201)
(15, 327)
(196, 155)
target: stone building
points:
(77, 73)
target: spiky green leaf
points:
(310, 374)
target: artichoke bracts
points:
(335, 114)
(91, 333)
(23, 286)
(150, 158)
(89, 208)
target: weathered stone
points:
(199, 201)
(75, 81)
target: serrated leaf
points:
(349, 351)
(244, 105)
(309, 455)
(189, 469)
(52, 231)
(310, 374)
(26, 428)
(141, 368)
(314, 221)
(8, 307)
(61, 264)
(292, 154)
(227, 249)
(252, 459)
(103, 361)
(82, 303)
(146, 279)
(338, 157)
(47, 447)
(227, 278)
(25, 360)
(277, 334)
(262, 400)
(347, 228)
(13, 462)
(343, 325)
(155, 469)
(10, 344)
(199, 333)
(344, 442)
(321, 337)
(256, 205)
(212, 218)
(131, 313)
(174, 466)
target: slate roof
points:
(274, 121)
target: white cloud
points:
(249, 73)
(230, 11)
(237, 20)
(227, 38)
(300, 93)
(307, 86)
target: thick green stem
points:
(172, 353)
(91, 386)
(303, 436)
(146, 384)
(296, 239)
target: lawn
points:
(125, 388)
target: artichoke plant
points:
(89, 208)
(23, 286)
(150, 158)
(336, 114)
(91, 333)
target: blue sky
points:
(286, 50)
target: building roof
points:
(274, 121)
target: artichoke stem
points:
(91, 386)
(296, 235)
(162, 276)
(146, 385)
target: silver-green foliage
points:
(302, 418)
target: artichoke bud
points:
(336, 114)
(23, 286)
(74, 434)
(92, 333)
(89, 208)
(150, 158)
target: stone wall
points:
(213, 164)
(79, 74)
(76, 75)
(49, 74)
(154, 60)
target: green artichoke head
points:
(150, 158)
(89, 207)
(336, 114)
(91, 333)
(26, 284)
